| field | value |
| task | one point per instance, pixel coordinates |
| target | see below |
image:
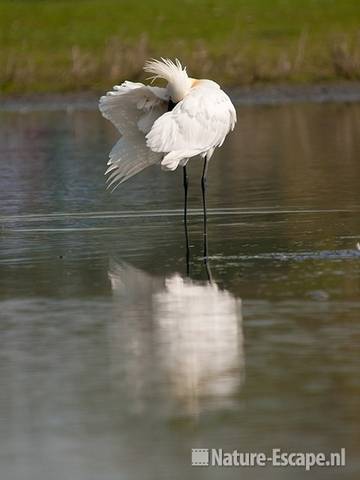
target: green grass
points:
(90, 44)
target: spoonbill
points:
(198, 329)
(167, 126)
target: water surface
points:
(114, 364)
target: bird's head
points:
(179, 83)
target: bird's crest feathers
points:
(174, 73)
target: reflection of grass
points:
(63, 45)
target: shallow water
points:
(114, 364)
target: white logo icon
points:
(200, 457)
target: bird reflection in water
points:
(182, 337)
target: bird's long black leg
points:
(186, 185)
(208, 271)
(204, 188)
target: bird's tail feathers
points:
(178, 157)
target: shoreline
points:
(242, 96)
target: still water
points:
(114, 364)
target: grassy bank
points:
(68, 45)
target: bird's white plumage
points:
(178, 80)
(199, 123)
(127, 104)
(132, 108)
(128, 157)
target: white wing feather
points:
(129, 156)
(129, 102)
(132, 108)
(197, 124)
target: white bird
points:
(166, 126)
(195, 332)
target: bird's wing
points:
(129, 156)
(197, 124)
(132, 283)
(132, 106)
